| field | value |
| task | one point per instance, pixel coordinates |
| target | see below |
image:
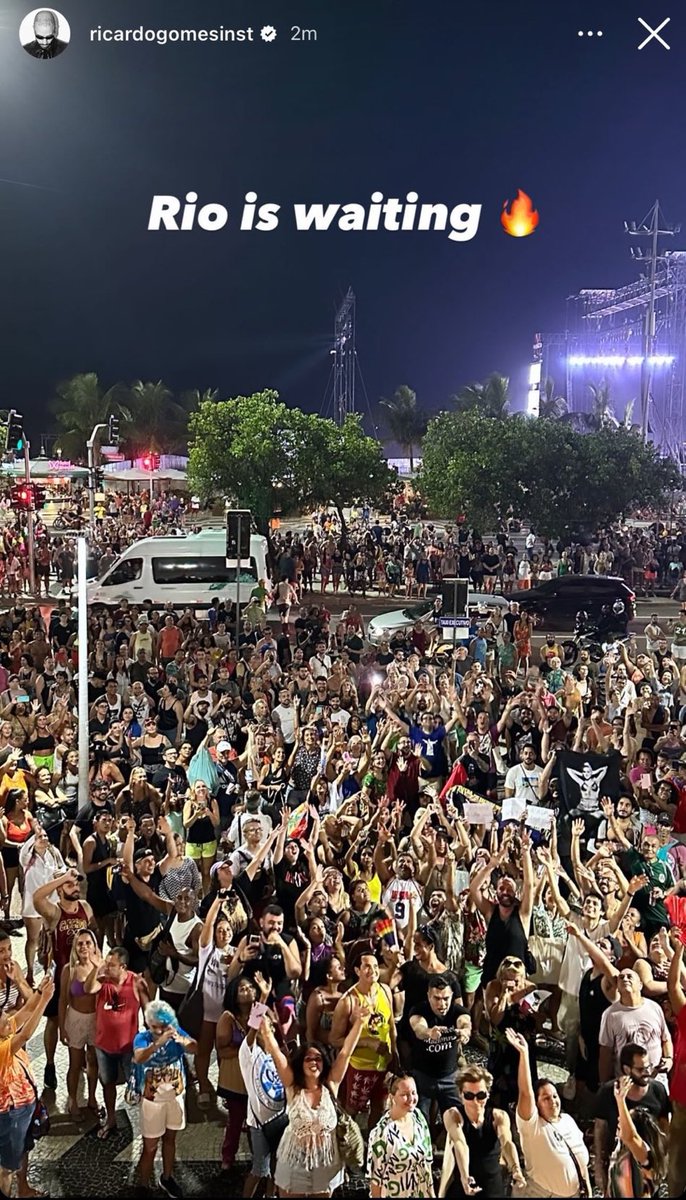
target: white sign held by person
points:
(479, 814)
(538, 817)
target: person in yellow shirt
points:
(376, 1049)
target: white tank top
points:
(180, 934)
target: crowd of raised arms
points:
(370, 903)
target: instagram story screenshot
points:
(342, 597)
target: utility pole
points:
(90, 444)
(14, 439)
(82, 598)
(30, 541)
(649, 228)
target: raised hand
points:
(358, 1012)
(622, 1087)
(577, 828)
(636, 883)
(517, 1041)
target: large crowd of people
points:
(347, 894)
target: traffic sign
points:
(453, 622)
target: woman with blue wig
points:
(160, 1077)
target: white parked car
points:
(385, 626)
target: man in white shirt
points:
(285, 716)
(339, 716)
(521, 781)
(634, 1018)
(320, 662)
(251, 816)
(552, 1143)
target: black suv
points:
(557, 601)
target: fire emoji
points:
(522, 218)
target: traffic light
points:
(15, 431)
(27, 497)
(113, 431)
(238, 521)
(151, 462)
(455, 594)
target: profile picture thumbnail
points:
(44, 33)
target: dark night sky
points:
(393, 96)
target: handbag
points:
(348, 1137)
(273, 1129)
(192, 1008)
(158, 964)
(584, 1193)
(530, 962)
(40, 1118)
(49, 815)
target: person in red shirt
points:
(120, 996)
(676, 1179)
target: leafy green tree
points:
(257, 452)
(353, 467)
(545, 472)
(82, 404)
(490, 399)
(406, 422)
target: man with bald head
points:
(46, 43)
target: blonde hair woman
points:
(40, 862)
(400, 1152)
(77, 1020)
(505, 1001)
(201, 821)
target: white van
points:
(190, 571)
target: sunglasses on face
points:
(475, 1095)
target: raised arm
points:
(560, 903)
(281, 1063)
(628, 1132)
(479, 879)
(528, 883)
(30, 1016)
(675, 989)
(340, 1066)
(526, 1104)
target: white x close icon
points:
(654, 33)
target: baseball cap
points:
(223, 747)
(223, 862)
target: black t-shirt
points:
(519, 737)
(477, 778)
(436, 1059)
(656, 1101)
(291, 881)
(86, 816)
(270, 963)
(414, 982)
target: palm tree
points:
(491, 399)
(406, 422)
(82, 404)
(552, 407)
(602, 414)
(193, 398)
(158, 422)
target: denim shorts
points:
(14, 1126)
(261, 1156)
(109, 1064)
